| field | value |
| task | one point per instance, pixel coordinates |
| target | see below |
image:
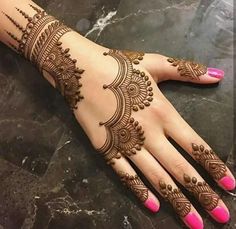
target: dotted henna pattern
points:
(202, 192)
(133, 91)
(188, 69)
(210, 161)
(40, 44)
(135, 184)
(180, 203)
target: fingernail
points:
(220, 214)
(151, 205)
(215, 72)
(193, 221)
(227, 182)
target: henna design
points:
(30, 32)
(133, 90)
(139, 90)
(135, 184)
(134, 56)
(210, 161)
(180, 203)
(51, 58)
(40, 44)
(202, 192)
(188, 69)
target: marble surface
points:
(50, 176)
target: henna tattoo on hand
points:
(134, 56)
(133, 91)
(180, 203)
(188, 69)
(210, 161)
(135, 184)
(40, 43)
(202, 192)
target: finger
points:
(176, 165)
(134, 183)
(164, 184)
(165, 68)
(200, 151)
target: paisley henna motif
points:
(135, 184)
(180, 203)
(40, 44)
(202, 192)
(187, 68)
(133, 91)
(209, 160)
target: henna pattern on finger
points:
(210, 161)
(40, 43)
(133, 91)
(202, 192)
(135, 184)
(180, 203)
(188, 69)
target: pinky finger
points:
(130, 179)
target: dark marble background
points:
(50, 177)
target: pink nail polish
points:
(151, 205)
(193, 221)
(215, 72)
(227, 182)
(220, 214)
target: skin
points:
(158, 157)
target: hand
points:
(123, 112)
(127, 118)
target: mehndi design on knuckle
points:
(135, 184)
(202, 192)
(188, 69)
(133, 91)
(134, 56)
(210, 161)
(176, 198)
(40, 43)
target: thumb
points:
(190, 71)
(164, 68)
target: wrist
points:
(60, 53)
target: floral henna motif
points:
(202, 192)
(135, 184)
(187, 68)
(139, 90)
(209, 160)
(40, 44)
(180, 203)
(133, 91)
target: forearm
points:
(60, 53)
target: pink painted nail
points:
(215, 72)
(227, 182)
(151, 205)
(193, 221)
(220, 214)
